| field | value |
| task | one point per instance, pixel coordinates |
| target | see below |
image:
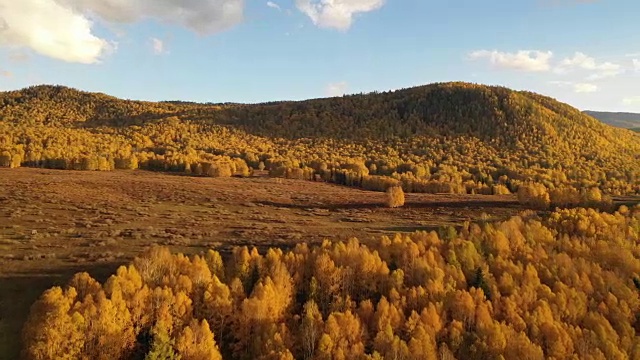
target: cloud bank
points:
(541, 61)
(598, 70)
(63, 29)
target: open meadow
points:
(56, 223)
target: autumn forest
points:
(555, 276)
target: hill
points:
(618, 119)
(445, 137)
(491, 113)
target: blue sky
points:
(586, 53)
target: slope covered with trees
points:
(564, 287)
(451, 137)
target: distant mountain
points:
(617, 119)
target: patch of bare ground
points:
(55, 223)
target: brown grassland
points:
(55, 223)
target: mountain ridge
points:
(423, 101)
(626, 120)
(478, 132)
(494, 114)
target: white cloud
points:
(561, 83)
(6, 74)
(585, 88)
(524, 60)
(273, 5)
(577, 87)
(62, 29)
(336, 89)
(158, 46)
(585, 62)
(336, 14)
(50, 29)
(633, 54)
(202, 16)
(604, 74)
(581, 60)
(636, 65)
(633, 100)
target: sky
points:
(583, 52)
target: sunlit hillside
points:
(449, 137)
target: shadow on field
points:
(626, 200)
(19, 291)
(410, 205)
(412, 229)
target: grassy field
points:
(56, 223)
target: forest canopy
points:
(563, 287)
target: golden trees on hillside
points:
(441, 138)
(562, 287)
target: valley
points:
(169, 215)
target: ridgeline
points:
(466, 135)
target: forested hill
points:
(490, 113)
(495, 115)
(63, 106)
(620, 119)
(454, 131)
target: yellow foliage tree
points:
(395, 197)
